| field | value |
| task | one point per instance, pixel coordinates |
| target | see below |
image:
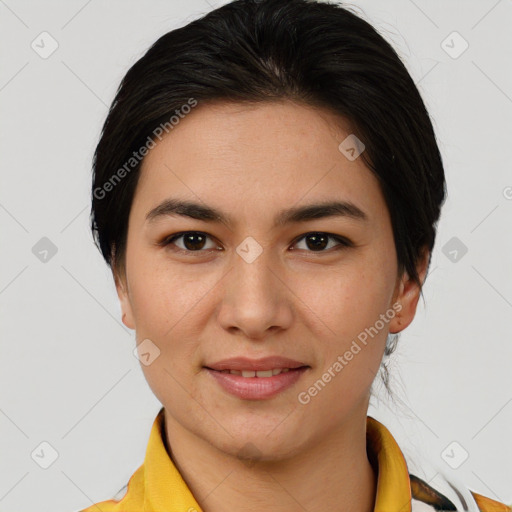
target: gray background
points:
(68, 374)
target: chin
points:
(253, 449)
(266, 441)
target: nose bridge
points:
(254, 269)
(254, 297)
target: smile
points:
(256, 384)
(260, 373)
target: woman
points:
(266, 191)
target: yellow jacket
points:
(157, 486)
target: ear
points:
(407, 295)
(124, 298)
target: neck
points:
(332, 474)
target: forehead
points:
(256, 158)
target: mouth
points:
(256, 379)
(257, 373)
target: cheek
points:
(164, 298)
(164, 305)
(350, 354)
(344, 301)
(345, 309)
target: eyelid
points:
(342, 241)
(168, 240)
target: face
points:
(254, 279)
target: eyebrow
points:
(184, 208)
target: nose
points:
(256, 300)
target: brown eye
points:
(194, 241)
(190, 241)
(318, 241)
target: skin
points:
(294, 301)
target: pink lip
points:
(244, 363)
(256, 388)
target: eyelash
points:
(168, 241)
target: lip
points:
(256, 388)
(245, 363)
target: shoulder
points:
(427, 498)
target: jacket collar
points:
(393, 484)
(162, 488)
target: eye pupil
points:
(190, 241)
(319, 241)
